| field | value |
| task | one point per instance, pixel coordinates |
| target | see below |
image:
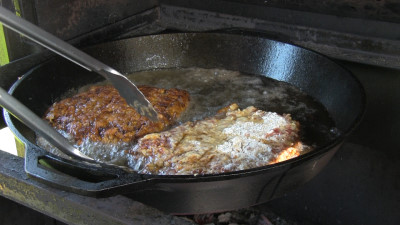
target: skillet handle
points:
(97, 180)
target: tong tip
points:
(145, 110)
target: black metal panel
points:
(69, 19)
(354, 39)
(329, 15)
(384, 10)
(359, 31)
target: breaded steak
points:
(102, 115)
(232, 140)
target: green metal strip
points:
(17, 8)
(4, 57)
(3, 48)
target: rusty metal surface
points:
(71, 208)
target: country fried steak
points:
(102, 115)
(232, 140)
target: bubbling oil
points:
(211, 90)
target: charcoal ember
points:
(268, 217)
(263, 220)
(248, 216)
(224, 218)
(203, 219)
(244, 216)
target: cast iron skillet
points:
(336, 88)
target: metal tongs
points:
(126, 88)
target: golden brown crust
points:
(241, 139)
(102, 115)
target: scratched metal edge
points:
(71, 208)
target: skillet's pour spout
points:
(127, 89)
